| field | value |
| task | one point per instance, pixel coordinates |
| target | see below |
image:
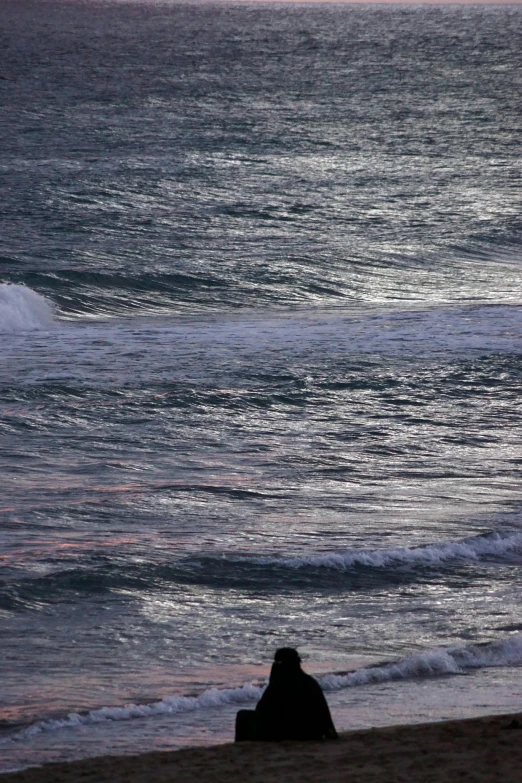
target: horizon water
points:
(260, 366)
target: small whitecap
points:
(22, 309)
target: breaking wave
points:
(475, 548)
(353, 569)
(430, 663)
(21, 308)
(170, 705)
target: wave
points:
(432, 663)
(351, 570)
(354, 570)
(436, 662)
(140, 287)
(170, 705)
(486, 545)
(21, 308)
(105, 294)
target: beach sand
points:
(478, 749)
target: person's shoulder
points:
(311, 682)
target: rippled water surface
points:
(260, 340)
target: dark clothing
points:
(245, 725)
(293, 707)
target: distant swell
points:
(431, 663)
(22, 308)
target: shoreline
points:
(483, 750)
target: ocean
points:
(261, 364)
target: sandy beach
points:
(479, 749)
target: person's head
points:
(287, 658)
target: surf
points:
(22, 309)
(425, 664)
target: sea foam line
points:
(493, 544)
(430, 663)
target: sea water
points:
(260, 366)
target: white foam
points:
(170, 705)
(496, 545)
(427, 664)
(21, 308)
(436, 662)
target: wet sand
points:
(478, 749)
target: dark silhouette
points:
(293, 706)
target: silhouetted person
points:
(293, 706)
